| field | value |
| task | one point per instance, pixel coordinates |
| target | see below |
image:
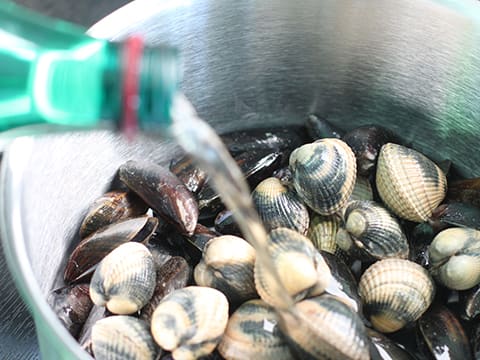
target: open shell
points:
(190, 322)
(395, 292)
(324, 174)
(409, 183)
(125, 279)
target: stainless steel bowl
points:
(410, 65)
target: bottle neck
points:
(139, 85)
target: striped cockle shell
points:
(395, 292)
(409, 183)
(455, 258)
(122, 337)
(362, 189)
(252, 333)
(324, 174)
(190, 322)
(375, 232)
(227, 265)
(299, 266)
(324, 327)
(125, 279)
(279, 206)
(322, 232)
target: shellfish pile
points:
(381, 261)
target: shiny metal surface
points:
(411, 65)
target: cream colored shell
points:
(409, 183)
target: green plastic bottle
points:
(51, 72)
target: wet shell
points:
(279, 206)
(125, 279)
(163, 192)
(475, 340)
(362, 189)
(375, 232)
(194, 245)
(91, 250)
(366, 142)
(225, 223)
(455, 258)
(325, 328)
(443, 334)
(172, 275)
(122, 338)
(252, 333)
(189, 173)
(409, 183)
(319, 128)
(72, 305)
(386, 348)
(322, 232)
(343, 284)
(324, 174)
(110, 208)
(395, 292)
(299, 266)
(470, 303)
(227, 265)
(190, 322)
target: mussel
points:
(299, 265)
(172, 275)
(189, 173)
(395, 292)
(319, 128)
(470, 303)
(443, 335)
(190, 322)
(366, 142)
(253, 333)
(278, 206)
(387, 349)
(72, 305)
(324, 174)
(455, 258)
(227, 265)
(225, 223)
(409, 183)
(125, 279)
(255, 165)
(455, 214)
(110, 208)
(375, 232)
(163, 192)
(91, 250)
(122, 337)
(343, 284)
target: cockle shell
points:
(409, 183)
(395, 292)
(125, 279)
(324, 174)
